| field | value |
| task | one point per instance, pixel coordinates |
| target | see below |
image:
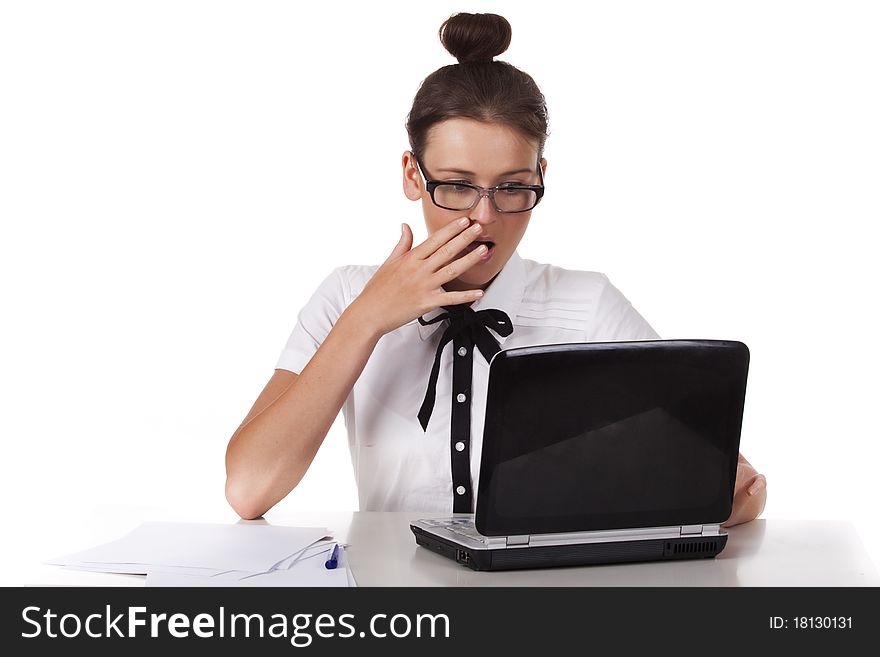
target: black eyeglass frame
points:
(431, 185)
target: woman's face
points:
(488, 152)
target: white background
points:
(177, 177)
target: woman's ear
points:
(412, 179)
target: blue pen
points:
(330, 564)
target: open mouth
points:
(475, 244)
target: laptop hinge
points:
(518, 540)
(687, 530)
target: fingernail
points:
(464, 221)
(757, 486)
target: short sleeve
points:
(617, 320)
(314, 322)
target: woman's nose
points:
(484, 211)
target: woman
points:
(369, 341)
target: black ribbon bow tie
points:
(472, 325)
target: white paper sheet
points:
(309, 571)
(140, 569)
(323, 545)
(250, 548)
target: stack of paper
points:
(187, 554)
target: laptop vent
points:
(695, 547)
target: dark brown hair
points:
(478, 87)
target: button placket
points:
(462, 371)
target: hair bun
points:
(475, 37)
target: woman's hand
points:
(409, 283)
(749, 496)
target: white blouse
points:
(397, 465)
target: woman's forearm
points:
(268, 456)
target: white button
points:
(461, 397)
(462, 351)
(460, 490)
(459, 446)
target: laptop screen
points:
(590, 436)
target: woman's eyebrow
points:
(471, 173)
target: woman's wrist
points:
(357, 320)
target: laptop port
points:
(461, 556)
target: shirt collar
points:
(505, 293)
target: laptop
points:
(602, 452)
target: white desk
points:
(383, 552)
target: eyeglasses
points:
(463, 196)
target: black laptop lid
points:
(611, 435)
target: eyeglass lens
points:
(459, 197)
